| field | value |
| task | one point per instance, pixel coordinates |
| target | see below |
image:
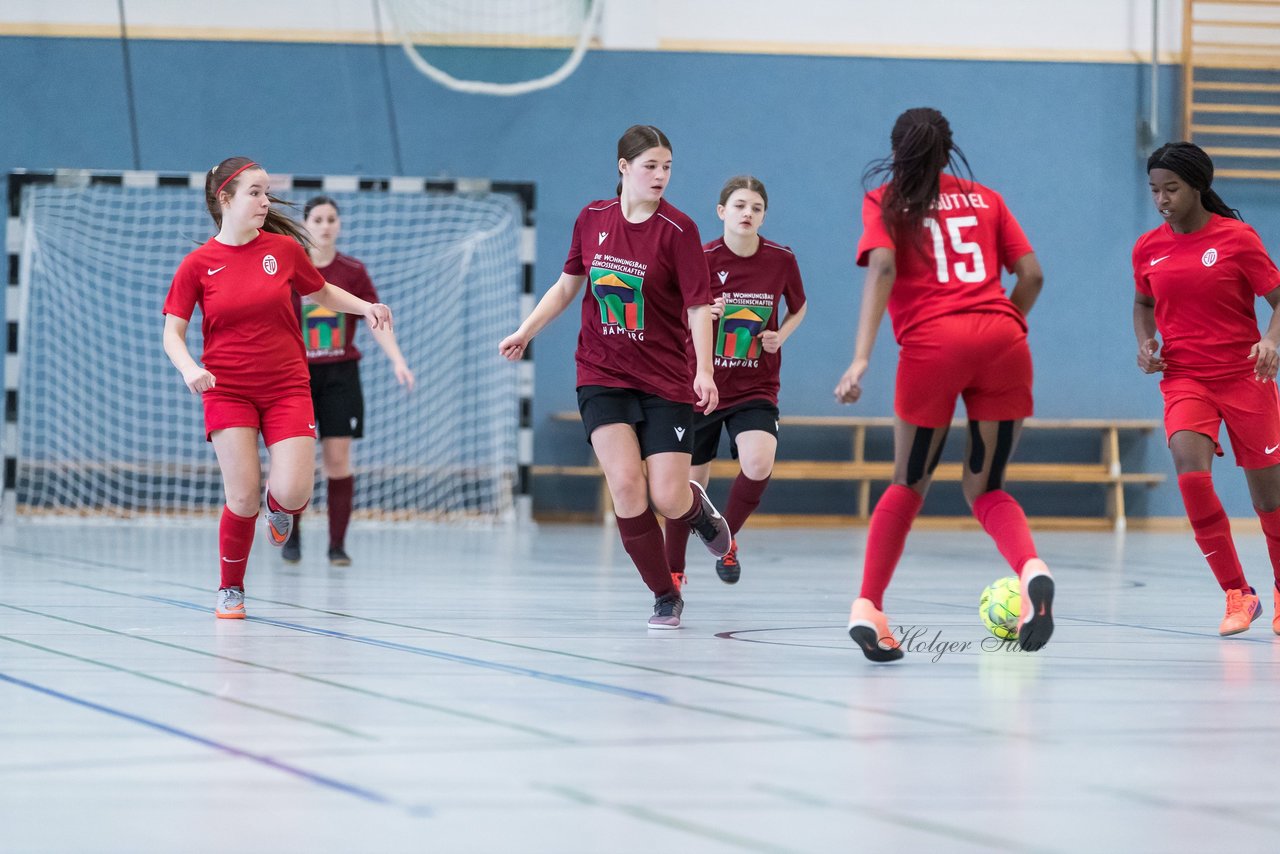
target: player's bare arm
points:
(1144, 328)
(881, 272)
(553, 303)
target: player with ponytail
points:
(933, 245)
(1197, 277)
(252, 376)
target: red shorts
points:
(1250, 409)
(980, 356)
(281, 417)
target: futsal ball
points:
(999, 607)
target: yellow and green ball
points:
(999, 607)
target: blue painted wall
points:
(1059, 140)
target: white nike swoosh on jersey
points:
(1155, 261)
(1272, 449)
(219, 270)
(1211, 554)
(238, 560)
(311, 426)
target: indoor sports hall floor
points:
(497, 691)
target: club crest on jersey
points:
(603, 235)
(269, 265)
(723, 274)
(1210, 257)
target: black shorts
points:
(338, 400)
(749, 415)
(661, 425)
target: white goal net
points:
(106, 426)
(527, 45)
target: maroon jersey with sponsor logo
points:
(252, 343)
(1204, 284)
(953, 264)
(641, 279)
(754, 288)
(330, 336)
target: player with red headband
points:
(1197, 277)
(252, 377)
(933, 245)
(649, 294)
(750, 277)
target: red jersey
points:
(252, 343)
(968, 236)
(642, 278)
(330, 336)
(1204, 285)
(753, 287)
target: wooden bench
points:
(1105, 471)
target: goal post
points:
(98, 423)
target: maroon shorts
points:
(980, 356)
(284, 416)
(1250, 409)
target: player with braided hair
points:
(933, 245)
(1197, 277)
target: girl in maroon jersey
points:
(750, 276)
(333, 359)
(1196, 279)
(254, 373)
(933, 246)
(648, 294)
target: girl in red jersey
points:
(1196, 279)
(933, 246)
(335, 372)
(750, 276)
(254, 373)
(649, 293)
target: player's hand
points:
(770, 342)
(198, 380)
(717, 308)
(1265, 361)
(849, 389)
(378, 316)
(404, 376)
(704, 386)
(513, 346)
(1151, 363)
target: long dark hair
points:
(316, 201)
(636, 140)
(922, 148)
(1190, 163)
(225, 177)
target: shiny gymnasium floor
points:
(497, 691)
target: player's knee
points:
(671, 499)
(244, 503)
(756, 466)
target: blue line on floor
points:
(513, 669)
(318, 779)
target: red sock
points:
(1271, 529)
(886, 537)
(235, 538)
(340, 491)
(1212, 529)
(677, 537)
(1001, 516)
(276, 507)
(642, 538)
(744, 498)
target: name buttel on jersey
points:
(1204, 285)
